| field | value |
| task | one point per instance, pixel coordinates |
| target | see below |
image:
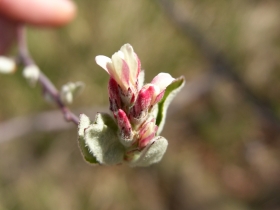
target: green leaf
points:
(86, 153)
(106, 119)
(170, 92)
(83, 124)
(102, 141)
(151, 154)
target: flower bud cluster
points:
(132, 103)
(139, 112)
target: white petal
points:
(162, 80)
(120, 53)
(117, 63)
(132, 62)
(141, 78)
(104, 62)
(121, 71)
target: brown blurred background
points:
(223, 129)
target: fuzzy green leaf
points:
(102, 141)
(170, 92)
(86, 153)
(151, 154)
(83, 124)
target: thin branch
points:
(20, 127)
(221, 66)
(48, 121)
(26, 60)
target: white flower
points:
(124, 67)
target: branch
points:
(48, 121)
(25, 59)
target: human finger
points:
(39, 12)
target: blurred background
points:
(223, 128)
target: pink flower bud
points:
(158, 97)
(147, 133)
(124, 67)
(127, 98)
(143, 101)
(114, 96)
(162, 80)
(124, 125)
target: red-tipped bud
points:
(114, 96)
(158, 98)
(124, 125)
(147, 133)
(143, 102)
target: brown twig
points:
(25, 59)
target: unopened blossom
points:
(147, 132)
(124, 67)
(151, 94)
(125, 129)
(137, 116)
(114, 95)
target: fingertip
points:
(39, 12)
(66, 13)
